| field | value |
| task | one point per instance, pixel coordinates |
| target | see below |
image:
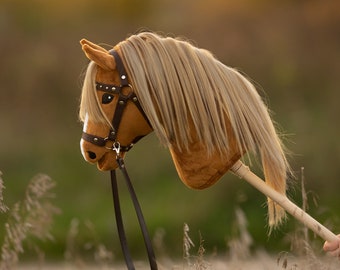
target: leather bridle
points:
(117, 147)
(120, 107)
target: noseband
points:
(120, 107)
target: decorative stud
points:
(123, 77)
(113, 88)
(135, 99)
(95, 139)
(106, 87)
(121, 102)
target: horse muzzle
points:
(104, 157)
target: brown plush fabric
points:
(197, 168)
(199, 171)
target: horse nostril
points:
(91, 155)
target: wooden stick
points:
(244, 172)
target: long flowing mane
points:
(178, 83)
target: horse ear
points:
(98, 55)
(91, 44)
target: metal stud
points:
(106, 87)
(95, 139)
(134, 99)
(113, 88)
(123, 77)
(121, 102)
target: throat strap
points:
(119, 219)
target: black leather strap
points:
(119, 219)
(120, 68)
(118, 115)
(99, 141)
(119, 222)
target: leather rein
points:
(117, 147)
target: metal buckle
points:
(116, 148)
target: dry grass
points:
(102, 257)
(32, 219)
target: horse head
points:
(208, 114)
(113, 119)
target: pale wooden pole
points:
(244, 172)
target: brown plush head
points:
(98, 107)
(205, 112)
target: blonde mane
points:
(89, 103)
(177, 84)
(176, 81)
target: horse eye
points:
(107, 98)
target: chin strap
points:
(119, 220)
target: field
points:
(260, 262)
(32, 218)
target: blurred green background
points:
(291, 49)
